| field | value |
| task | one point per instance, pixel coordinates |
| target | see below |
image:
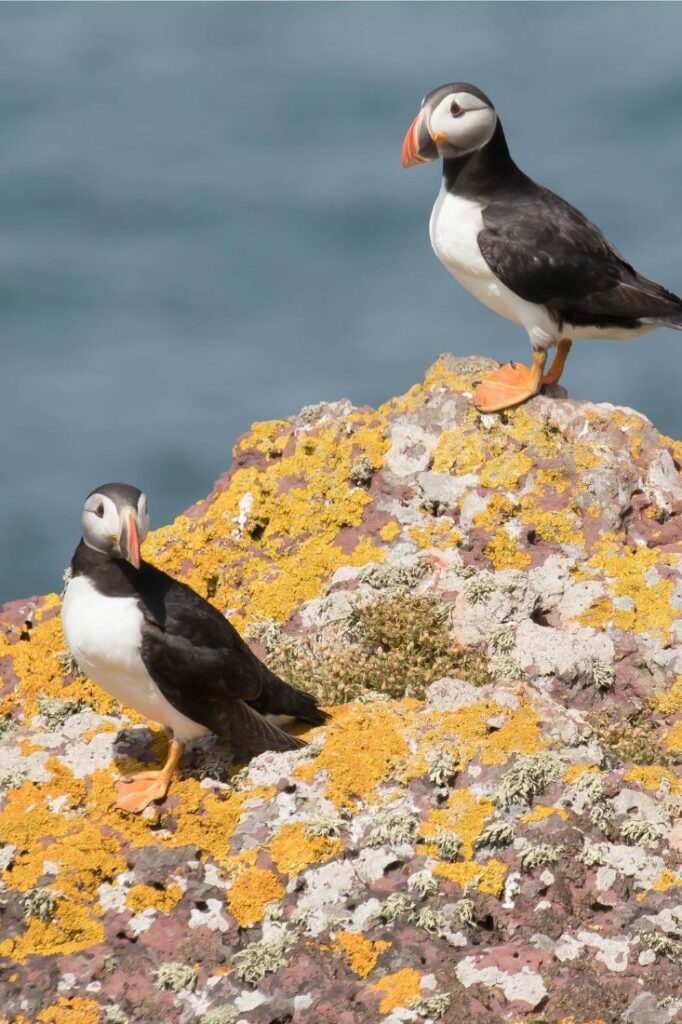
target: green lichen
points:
(68, 664)
(497, 833)
(41, 903)
(640, 831)
(361, 472)
(432, 921)
(479, 588)
(592, 855)
(115, 1015)
(503, 640)
(264, 957)
(433, 1007)
(447, 843)
(537, 854)
(501, 666)
(464, 909)
(391, 909)
(663, 945)
(221, 1015)
(328, 828)
(528, 777)
(423, 884)
(393, 828)
(442, 767)
(391, 577)
(7, 726)
(175, 976)
(12, 779)
(603, 675)
(55, 711)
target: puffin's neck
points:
(88, 562)
(484, 171)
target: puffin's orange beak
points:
(418, 146)
(128, 539)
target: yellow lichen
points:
(667, 880)
(400, 989)
(250, 894)
(146, 897)
(390, 531)
(503, 552)
(439, 533)
(75, 1010)
(652, 776)
(673, 737)
(540, 813)
(489, 877)
(292, 850)
(574, 771)
(463, 814)
(670, 702)
(361, 954)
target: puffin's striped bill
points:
(418, 146)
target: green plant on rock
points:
(636, 740)
(395, 646)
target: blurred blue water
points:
(203, 222)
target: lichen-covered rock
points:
(490, 826)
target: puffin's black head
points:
(454, 119)
(115, 521)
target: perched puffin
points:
(153, 643)
(522, 250)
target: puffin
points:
(521, 249)
(156, 645)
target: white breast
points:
(104, 635)
(454, 228)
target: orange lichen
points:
(390, 531)
(439, 533)
(670, 702)
(626, 570)
(464, 815)
(540, 813)
(292, 850)
(489, 877)
(362, 747)
(400, 989)
(75, 1010)
(503, 552)
(652, 776)
(673, 737)
(574, 771)
(250, 894)
(361, 954)
(146, 897)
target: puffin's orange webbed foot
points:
(511, 385)
(138, 792)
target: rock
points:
(502, 844)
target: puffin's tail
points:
(664, 321)
(280, 698)
(250, 730)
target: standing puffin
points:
(522, 250)
(153, 643)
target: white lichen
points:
(501, 666)
(115, 1015)
(503, 640)
(12, 779)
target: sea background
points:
(204, 222)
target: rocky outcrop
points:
(489, 828)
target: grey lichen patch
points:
(55, 711)
(442, 767)
(528, 777)
(300, 916)
(603, 676)
(361, 472)
(433, 1007)
(640, 831)
(264, 957)
(537, 854)
(391, 909)
(446, 842)
(273, 911)
(391, 577)
(221, 1015)
(497, 833)
(663, 945)
(41, 903)
(176, 977)
(393, 828)
(432, 921)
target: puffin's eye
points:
(455, 109)
(99, 511)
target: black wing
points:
(194, 655)
(547, 252)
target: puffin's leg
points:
(557, 367)
(136, 792)
(511, 385)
